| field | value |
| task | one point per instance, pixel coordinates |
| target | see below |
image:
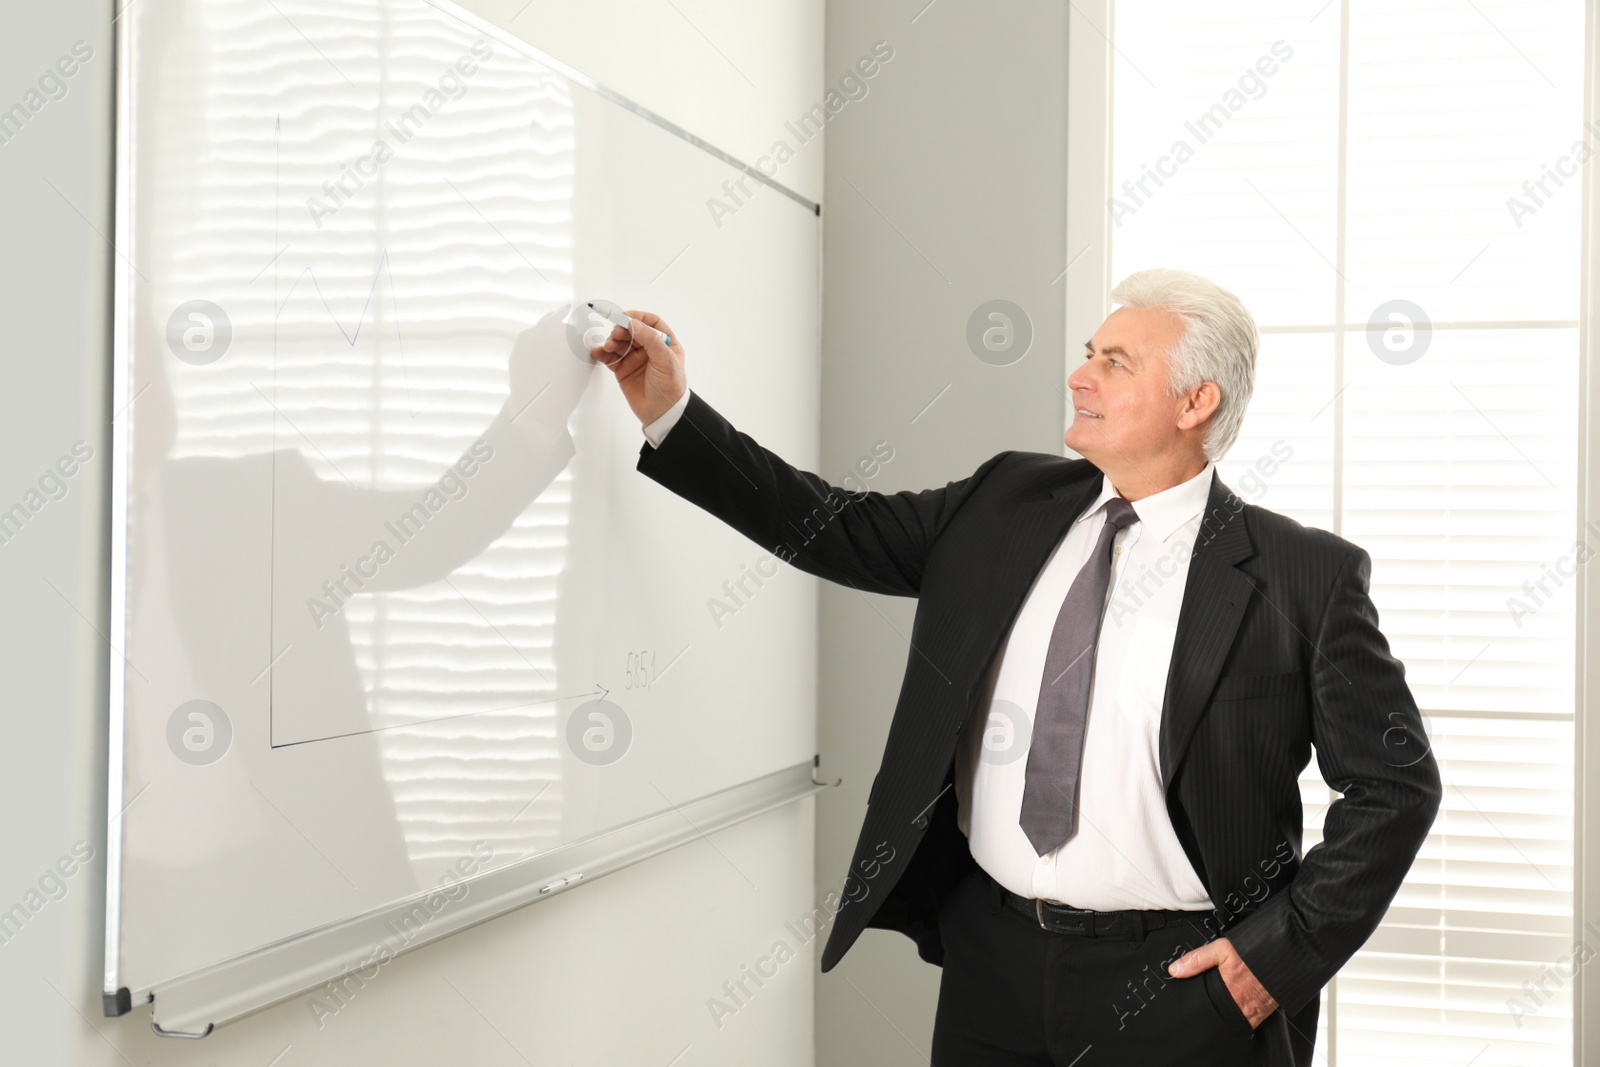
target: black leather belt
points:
(1060, 919)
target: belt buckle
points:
(1086, 923)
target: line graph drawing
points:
(351, 338)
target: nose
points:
(1082, 378)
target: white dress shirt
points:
(1124, 853)
(656, 432)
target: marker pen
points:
(618, 318)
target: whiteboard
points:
(397, 627)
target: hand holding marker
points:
(611, 314)
(648, 362)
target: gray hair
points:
(1218, 345)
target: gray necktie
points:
(1050, 796)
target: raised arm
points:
(873, 541)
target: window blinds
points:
(1389, 188)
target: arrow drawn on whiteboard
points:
(546, 700)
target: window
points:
(1393, 189)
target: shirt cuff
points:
(656, 432)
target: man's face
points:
(1120, 407)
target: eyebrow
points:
(1109, 350)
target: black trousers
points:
(1013, 993)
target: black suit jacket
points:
(1277, 649)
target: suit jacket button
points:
(920, 822)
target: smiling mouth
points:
(1086, 413)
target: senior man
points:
(1087, 810)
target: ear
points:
(1198, 406)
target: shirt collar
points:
(1164, 512)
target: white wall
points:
(946, 188)
(616, 972)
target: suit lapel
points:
(1214, 599)
(1035, 530)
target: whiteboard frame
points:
(191, 1005)
(115, 999)
(577, 77)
